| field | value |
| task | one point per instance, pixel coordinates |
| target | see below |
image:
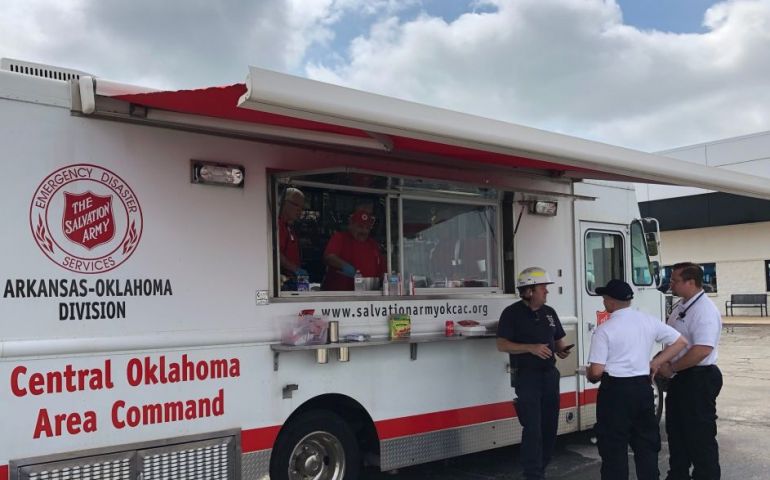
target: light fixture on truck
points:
(539, 207)
(217, 174)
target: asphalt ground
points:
(744, 425)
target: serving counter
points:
(413, 342)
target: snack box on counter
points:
(469, 328)
(399, 326)
(471, 331)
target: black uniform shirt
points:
(519, 324)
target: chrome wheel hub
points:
(317, 456)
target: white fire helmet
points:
(533, 276)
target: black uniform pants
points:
(691, 423)
(625, 415)
(537, 407)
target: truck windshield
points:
(641, 272)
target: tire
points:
(317, 445)
(658, 392)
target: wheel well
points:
(349, 410)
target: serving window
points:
(356, 231)
(449, 245)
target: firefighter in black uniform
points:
(531, 333)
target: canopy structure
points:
(298, 110)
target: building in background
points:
(728, 235)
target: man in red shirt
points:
(351, 251)
(288, 244)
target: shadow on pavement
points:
(575, 458)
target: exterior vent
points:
(104, 467)
(213, 458)
(40, 70)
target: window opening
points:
(603, 259)
(767, 275)
(449, 245)
(431, 236)
(709, 277)
(326, 220)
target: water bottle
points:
(358, 282)
(394, 284)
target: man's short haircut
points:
(524, 289)
(624, 303)
(292, 192)
(289, 192)
(690, 271)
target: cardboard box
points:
(399, 326)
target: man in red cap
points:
(352, 251)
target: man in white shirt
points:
(691, 401)
(620, 357)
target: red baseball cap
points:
(363, 218)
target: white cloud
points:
(313, 22)
(154, 43)
(573, 66)
(564, 65)
(176, 43)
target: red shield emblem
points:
(88, 219)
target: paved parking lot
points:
(744, 425)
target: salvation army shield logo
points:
(86, 218)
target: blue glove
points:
(300, 272)
(348, 270)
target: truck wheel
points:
(317, 445)
(657, 392)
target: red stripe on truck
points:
(3, 472)
(258, 438)
(588, 396)
(430, 422)
(264, 438)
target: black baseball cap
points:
(617, 289)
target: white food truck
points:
(145, 310)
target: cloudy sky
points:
(647, 74)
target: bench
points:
(747, 300)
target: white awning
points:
(426, 128)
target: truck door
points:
(613, 251)
(602, 258)
(616, 251)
